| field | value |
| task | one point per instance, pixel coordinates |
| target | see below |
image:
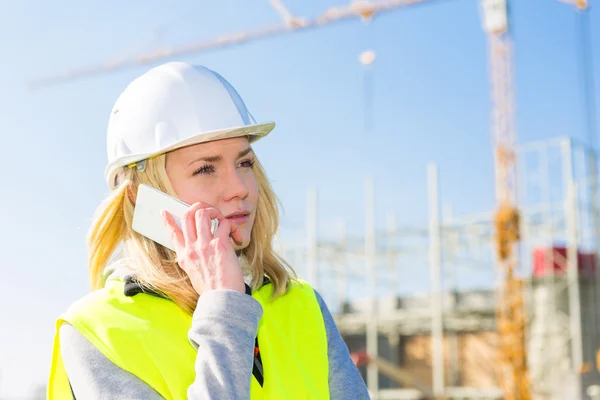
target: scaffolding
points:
(364, 279)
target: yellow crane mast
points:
(510, 311)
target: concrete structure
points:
(469, 340)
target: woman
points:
(222, 316)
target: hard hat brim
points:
(253, 132)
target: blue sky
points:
(431, 97)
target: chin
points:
(243, 245)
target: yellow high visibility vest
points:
(148, 336)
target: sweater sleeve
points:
(223, 330)
(93, 376)
(224, 327)
(345, 381)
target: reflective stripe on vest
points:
(147, 336)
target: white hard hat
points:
(172, 106)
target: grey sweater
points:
(224, 322)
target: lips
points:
(239, 217)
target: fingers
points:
(196, 225)
(176, 235)
(229, 229)
(204, 219)
(188, 223)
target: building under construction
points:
(443, 342)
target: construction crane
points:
(510, 311)
(511, 324)
(362, 9)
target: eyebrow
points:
(219, 158)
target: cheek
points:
(253, 191)
(253, 200)
(191, 192)
(182, 190)
(191, 195)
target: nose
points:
(235, 186)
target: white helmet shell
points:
(172, 106)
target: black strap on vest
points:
(257, 367)
(133, 287)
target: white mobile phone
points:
(147, 219)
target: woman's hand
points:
(209, 261)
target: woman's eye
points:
(247, 163)
(205, 170)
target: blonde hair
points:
(155, 266)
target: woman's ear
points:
(131, 193)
